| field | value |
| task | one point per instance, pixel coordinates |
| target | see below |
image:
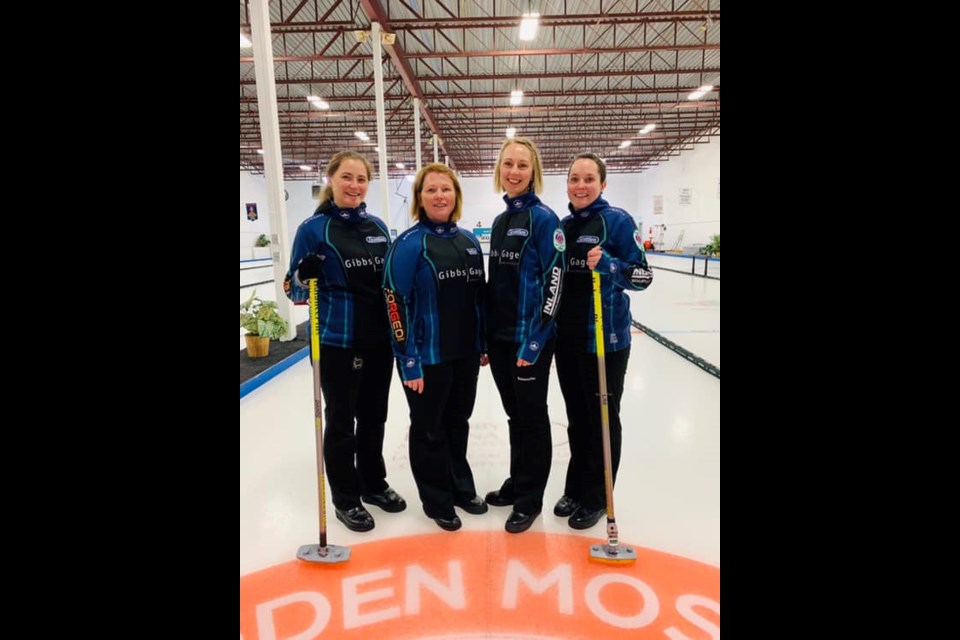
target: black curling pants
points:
(356, 385)
(523, 392)
(578, 376)
(439, 430)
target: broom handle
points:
(612, 533)
(318, 409)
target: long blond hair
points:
(334, 164)
(536, 180)
(417, 204)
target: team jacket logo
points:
(471, 251)
(559, 241)
(550, 306)
(517, 204)
(470, 273)
(375, 239)
(534, 346)
(393, 311)
(638, 238)
(518, 231)
(641, 276)
(375, 261)
(344, 215)
(506, 257)
(588, 240)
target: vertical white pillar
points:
(272, 156)
(381, 124)
(416, 129)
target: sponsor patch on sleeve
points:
(638, 238)
(559, 241)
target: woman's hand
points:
(593, 257)
(415, 385)
(484, 359)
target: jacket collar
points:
(329, 208)
(446, 230)
(519, 203)
(590, 210)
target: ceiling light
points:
(400, 165)
(244, 42)
(260, 151)
(516, 97)
(511, 132)
(699, 93)
(362, 135)
(318, 102)
(528, 26)
(624, 144)
(305, 167)
(647, 129)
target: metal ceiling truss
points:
(596, 73)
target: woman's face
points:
(516, 170)
(350, 183)
(583, 183)
(438, 197)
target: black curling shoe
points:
(584, 518)
(474, 505)
(388, 500)
(449, 524)
(356, 519)
(520, 522)
(500, 498)
(565, 507)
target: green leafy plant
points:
(713, 248)
(261, 318)
(262, 241)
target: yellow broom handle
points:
(604, 406)
(318, 410)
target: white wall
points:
(697, 170)
(252, 189)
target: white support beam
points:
(272, 155)
(381, 123)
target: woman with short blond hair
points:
(433, 283)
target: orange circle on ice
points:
(482, 584)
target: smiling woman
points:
(342, 247)
(526, 274)
(433, 285)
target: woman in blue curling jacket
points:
(433, 285)
(343, 247)
(523, 296)
(606, 239)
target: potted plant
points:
(712, 249)
(261, 247)
(263, 323)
